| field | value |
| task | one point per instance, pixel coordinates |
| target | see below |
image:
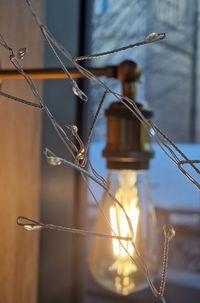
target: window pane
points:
(169, 67)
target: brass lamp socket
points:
(128, 143)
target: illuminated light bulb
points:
(109, 260)
(117, 265)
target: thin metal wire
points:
(169, 234)
(14, 98)
(89, 136)
(152, 37)
(25, 222)
(75, 87)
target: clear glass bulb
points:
(109, 263)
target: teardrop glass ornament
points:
(79, 93)
(169, 231)
(151, 37)
(21, 53)
(72, 127)
(32, 227)
(54, 161)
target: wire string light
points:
(32, 225)
(80, 153)
(152, 37)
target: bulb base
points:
(128, 143)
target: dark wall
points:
(58, 205)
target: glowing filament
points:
(120, 227)
(127, 194)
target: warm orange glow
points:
(127, 194)
(115, 264)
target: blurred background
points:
(53, 267)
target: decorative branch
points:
(79, 154)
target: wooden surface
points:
(19, 161)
